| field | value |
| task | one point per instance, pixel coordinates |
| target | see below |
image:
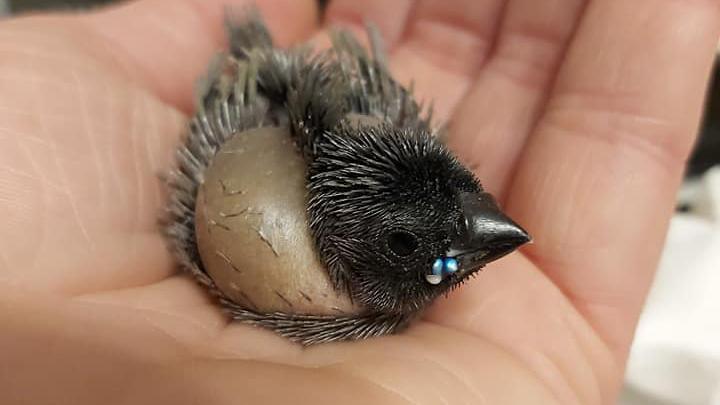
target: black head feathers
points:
(384, 206)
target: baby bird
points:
(393, 219)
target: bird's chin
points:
(472, 261)
(469, 263)
(464, 273)
(450, 282)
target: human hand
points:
(579, 114)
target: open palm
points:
(578, 114)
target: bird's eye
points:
(402, 243)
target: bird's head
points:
(398, 220)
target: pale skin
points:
(578, 114)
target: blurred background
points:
(676, 355)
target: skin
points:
(579, 114)
(256, 185)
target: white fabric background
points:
(675, 358)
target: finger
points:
(436, 46)
(502, 105)
(165, 45)
(597, 182)
(390, 18)
(354, 16)
(444, 46)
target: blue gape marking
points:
(438, 266)
(441, 268)
(451, 265)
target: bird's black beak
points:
(486, 233)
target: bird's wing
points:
(246, 32)
(371, 88)
(250, 86)
(227, 102)
(298, 85)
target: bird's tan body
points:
(252, 231)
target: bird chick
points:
(376, 217)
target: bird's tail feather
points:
(314, 329)
(372, 89)
(246, 31)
